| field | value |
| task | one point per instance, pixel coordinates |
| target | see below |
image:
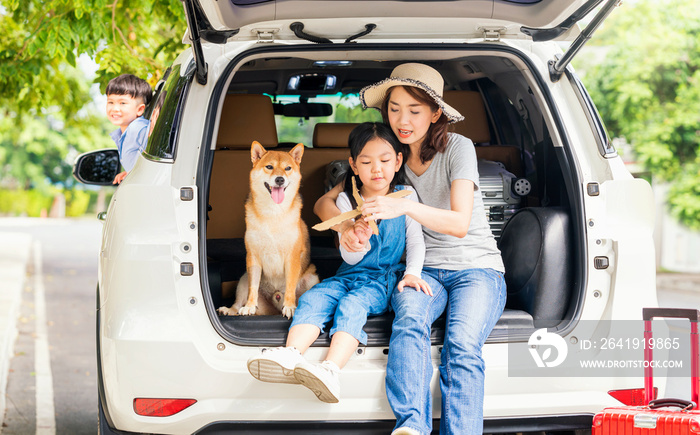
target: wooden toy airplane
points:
(352, 214)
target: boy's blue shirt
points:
(132, 142)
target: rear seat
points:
(244, 119)
(330, 142)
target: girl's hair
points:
(436, 139)
(359, 136)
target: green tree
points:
(43, 96)
(140, 37)
(647, 89)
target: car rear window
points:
(346, 108)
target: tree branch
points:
(32, 34)
(116, 29)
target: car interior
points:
(529, 198)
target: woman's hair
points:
(436, 139)
(359, 136)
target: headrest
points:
(475, 125)
(245, 118)
(332, 135)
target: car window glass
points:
(164, 115)
(605, 145)
(346, 108)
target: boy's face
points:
(123, 109)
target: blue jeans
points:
(474, 299)
(347, 301)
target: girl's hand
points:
(382, 207)
(362, 231)
(349, 239)
(415, 282)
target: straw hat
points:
(410, 74)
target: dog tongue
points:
(277, 194)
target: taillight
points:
(161, 407)
(632, 397)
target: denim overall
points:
(358, 290)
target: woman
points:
(463, 266)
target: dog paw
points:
(247, 311)
(288, 312)
(224, 311)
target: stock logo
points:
(547, 348)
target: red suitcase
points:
(661, 416)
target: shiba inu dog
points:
(278, 268)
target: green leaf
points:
(70, 58)
(647, 89)
(45, 102)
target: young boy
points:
(127, 97)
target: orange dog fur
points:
(276, 239)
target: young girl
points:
(364, 281)
(462, 263)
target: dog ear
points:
(256, 151)
(297, 152)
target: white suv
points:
(577, 245)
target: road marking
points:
(45, 413)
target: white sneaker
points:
(275, 365)
(405, 431)
(322, 379)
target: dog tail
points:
(308, 279)
(310, 270)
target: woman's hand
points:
(325, 207)
(415, 282)
(382, 207)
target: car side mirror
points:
(97, 167)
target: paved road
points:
(55, 367)
(58, 295)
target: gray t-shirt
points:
(478, 248)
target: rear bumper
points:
(493, 425)
(230, 400)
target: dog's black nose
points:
(279, 181)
